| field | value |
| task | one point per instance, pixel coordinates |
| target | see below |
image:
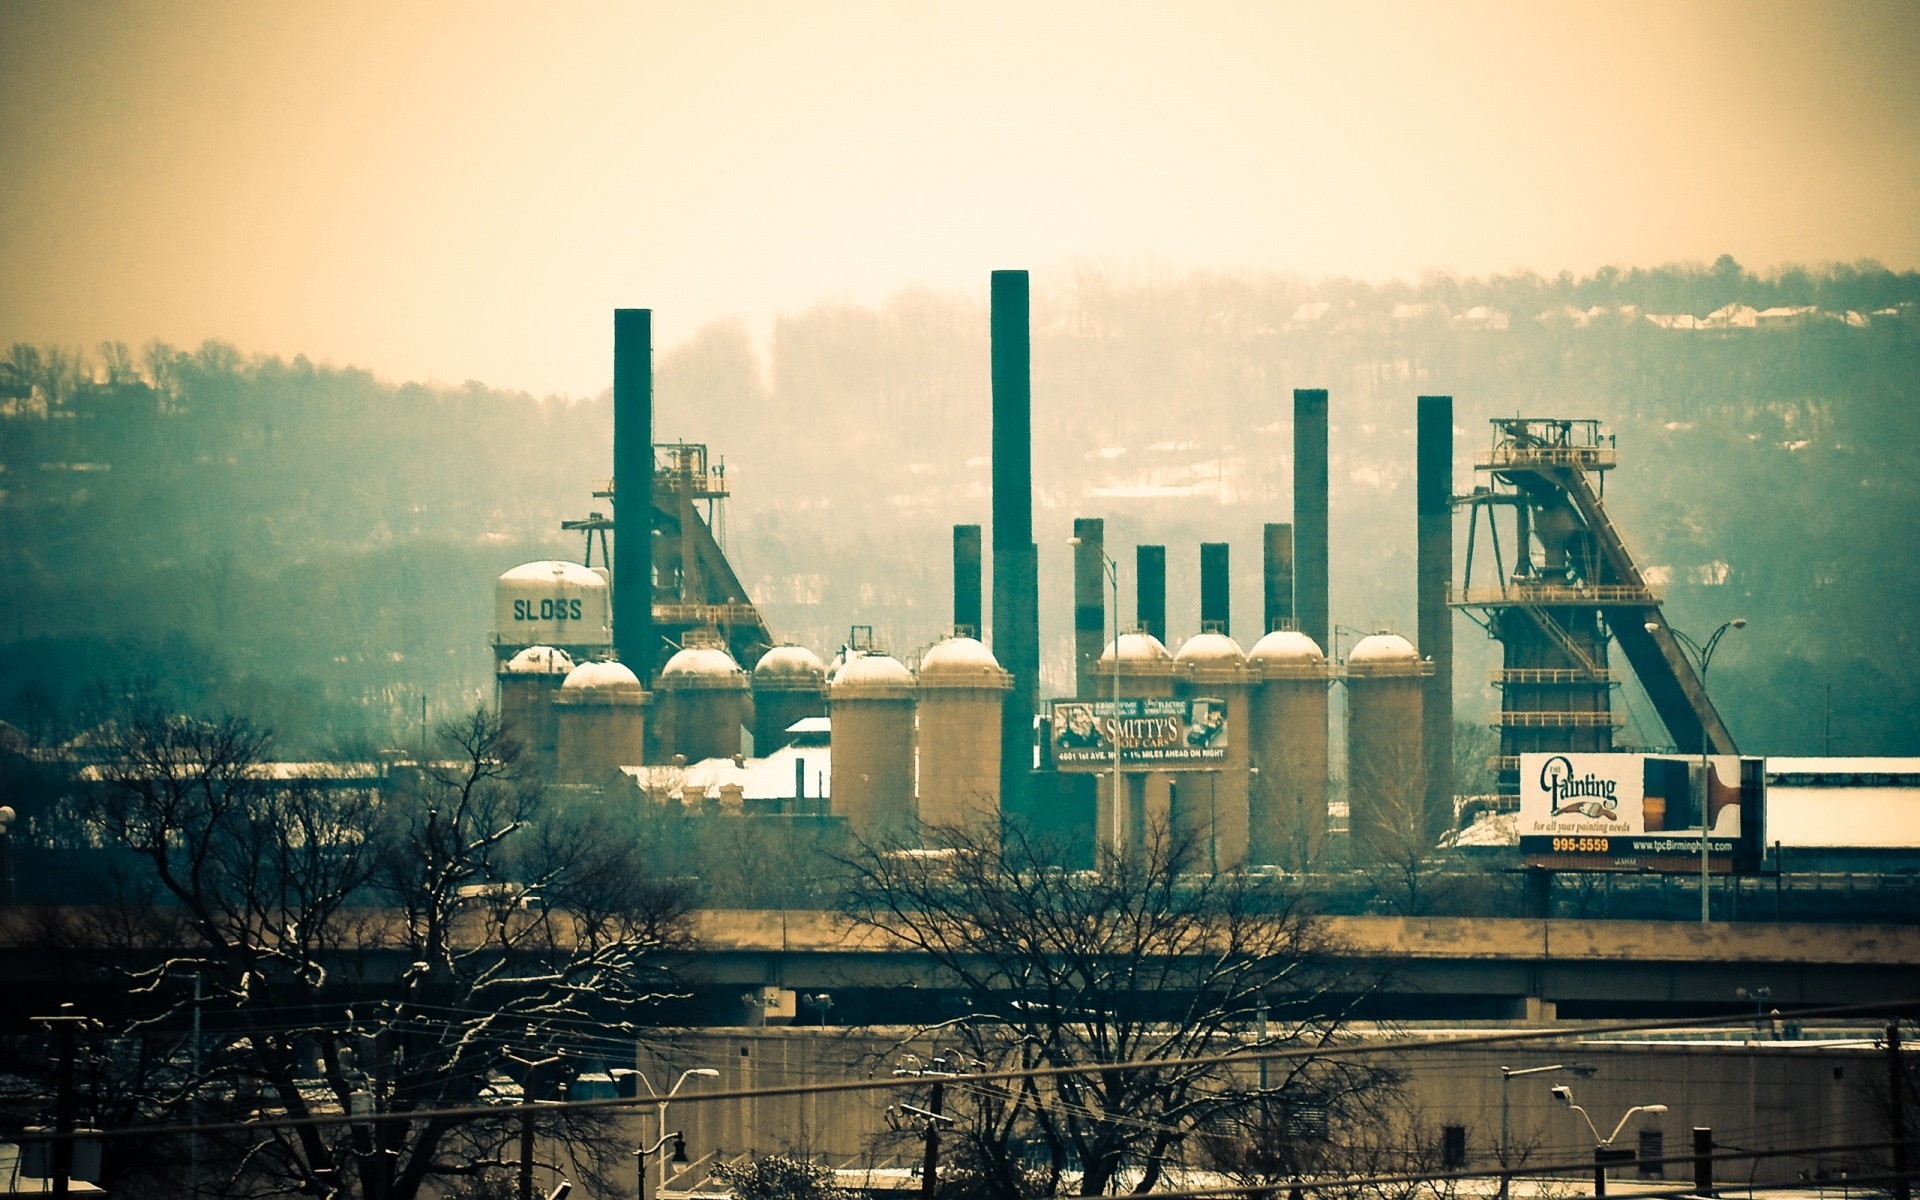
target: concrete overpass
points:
(1492, 967)
(1453, 968)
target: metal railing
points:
(1558, 720)
(706, 614)
(1552, 675)
(1596, 594)
(1598, 458)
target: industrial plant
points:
(680, 690)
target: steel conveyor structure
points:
(695, 587)
(1571, 587)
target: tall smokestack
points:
(1150, 603)
(1016, 584)
(633, 636)
(1216, 605)
(1433, 571)
(1089, 600)
(966, 579)
(1310, 510)
(1277, 580)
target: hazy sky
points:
(465, 190)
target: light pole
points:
(660, 1110)
(1703, 654)
(1603, 1151)
(1506, 1136)
(1112, 569)
(679, 1155)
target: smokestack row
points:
(1265, 804)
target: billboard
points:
(1154, 735)
(1640, 812)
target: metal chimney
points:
(966, 580)
(1016, 586)
(1216, 602)
(1150, 604)
(1089, 600)
(1277, 580)
(633, 636)
(1310, 510)
(1433, 571)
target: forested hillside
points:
(318, 545)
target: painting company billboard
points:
(1154, 735)
(1639, 812)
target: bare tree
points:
(1150, 961)
(378, 956)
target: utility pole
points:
(193, 1101)
(930, 1166)
(1702, 1160)
(65, 1029)
(1897, 1113)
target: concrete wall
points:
(1755, 1095)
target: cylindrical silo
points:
(789, 684)
(1146, 669)
(552, 603)
(1211, 802)
(1386, 764)
(600, 723)
(527, 683)
(870, 702)
(961, 690)
(1287, 795)
(701, 706)
(1143, 670)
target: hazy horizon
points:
(444, 192)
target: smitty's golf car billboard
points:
(1154, 735)
(1640, 812)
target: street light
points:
(532, 1067)
(1507, 1073)
(679, 1155)
(660, 1111)
(1603, 1151)
(1112, 569)
(1703, 655)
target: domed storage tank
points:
(1146, 669)
(527, 682)
(961, 691)
(1145, 672)
(1212, 803)
(871, 702)
(701, 705)
(600, 723)
(1287, 795)
(553, 603)
(789, 684)
(1386, 766)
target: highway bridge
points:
(1446, 967)
(754, 962)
